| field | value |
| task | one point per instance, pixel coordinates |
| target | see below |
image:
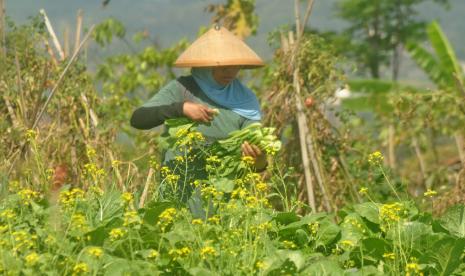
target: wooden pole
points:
(55, 40)
(77, 35)
(66, 42)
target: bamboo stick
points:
(459, 140)
(301, 122)
(420, 158)
(308, 11)
(66, 42)
(317, 171)
(55, 40)
(298, 26)
(77, 35)
(23, 111)
(146, 188)
(391, 147)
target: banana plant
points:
(442, 67)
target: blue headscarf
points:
(234, 96)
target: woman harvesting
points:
(211, 94)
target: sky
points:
(169, 21)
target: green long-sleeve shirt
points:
(168, 102)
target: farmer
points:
(215, 58)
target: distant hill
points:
(171, 20)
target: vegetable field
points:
(371, 184)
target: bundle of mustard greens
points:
(223, 158)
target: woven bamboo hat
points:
(218, 47)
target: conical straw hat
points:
(218, 47)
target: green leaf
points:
(327, 233)
(446, 254)
(323, 268)
(454, 220)
(428, 63)
(286, 218)
(153, 211)
(444, 51)
(223, 184)
(200, 271)
(368, 210)
(376, 247)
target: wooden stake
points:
(317, 170)
(77, 37)
(391, 147)
(308, 11)
(55, 40)
(146, 188)
(421, 160)
(459, 140)
(66, 42)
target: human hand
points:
(198, 112)
(256, 153)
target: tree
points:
(237, 16)
(379, 29)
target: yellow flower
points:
(131, 218)
(363, 191)
(95, 251)
(261, 187)
(389, 255)
(172, 179)
(314, 227)
(207, 251)
(197, 222)
(375, 158)
(179, 253)
(117, 233)
(289, 244)
(179, 159)
(78, 222)
(239, 193)
(70, 198)
(248, 160)
(165, 171)
(153, 254)
(430, 193)
(390, 213)
(413, 268)
(166, 218)
(96, 190)
(7, 214)
(80, 268)
(90, 152)
(30, 135)
(252, 201)
(347, 243)
(213, 159)
(115, 163)
(215, 219)
(127, 197)
(260, 265)
(31, 259)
